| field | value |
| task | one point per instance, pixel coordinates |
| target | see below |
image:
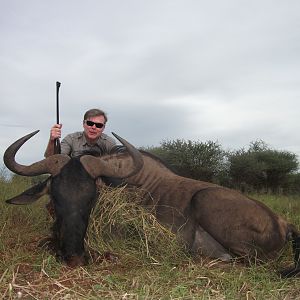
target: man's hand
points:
(55, 132)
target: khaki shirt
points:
(75, 144)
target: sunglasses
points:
(91, 123)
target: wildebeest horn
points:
(114, 165)
(51, 165)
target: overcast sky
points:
(225, 71)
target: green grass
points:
(149, 263)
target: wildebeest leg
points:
(206, 245)
(52, 243)
(294, 270)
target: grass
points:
(146, 260)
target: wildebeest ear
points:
(32, 194)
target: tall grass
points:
(120, 225)
(148, 262)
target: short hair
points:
(94, 112)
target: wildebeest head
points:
(73, 191)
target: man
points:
(92, 140)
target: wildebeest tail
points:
(295, 270)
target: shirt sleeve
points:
(66, 145)
(110, 143)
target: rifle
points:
(57, 149)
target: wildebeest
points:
(72, 188)
(212, 220)
(215, 221)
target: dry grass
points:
(119, 224)
(148, 262)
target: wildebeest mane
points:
(159, 160)
(121, 149)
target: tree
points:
(279, 164)
(198, 160)
(261, 167)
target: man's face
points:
(92, 132)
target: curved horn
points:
(114, 165)
(51, 164)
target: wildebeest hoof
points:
(98, 257)
(48, 243)
(76, 261)
(43, 243)
(110, 257)
(290, 272)
(94, 255)
(226, 257)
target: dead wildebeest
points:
(214, 221)
(73, 191)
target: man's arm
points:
(55, 133)
(50, 149)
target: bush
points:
(261, 168)
(198, 160)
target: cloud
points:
(226, 71)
